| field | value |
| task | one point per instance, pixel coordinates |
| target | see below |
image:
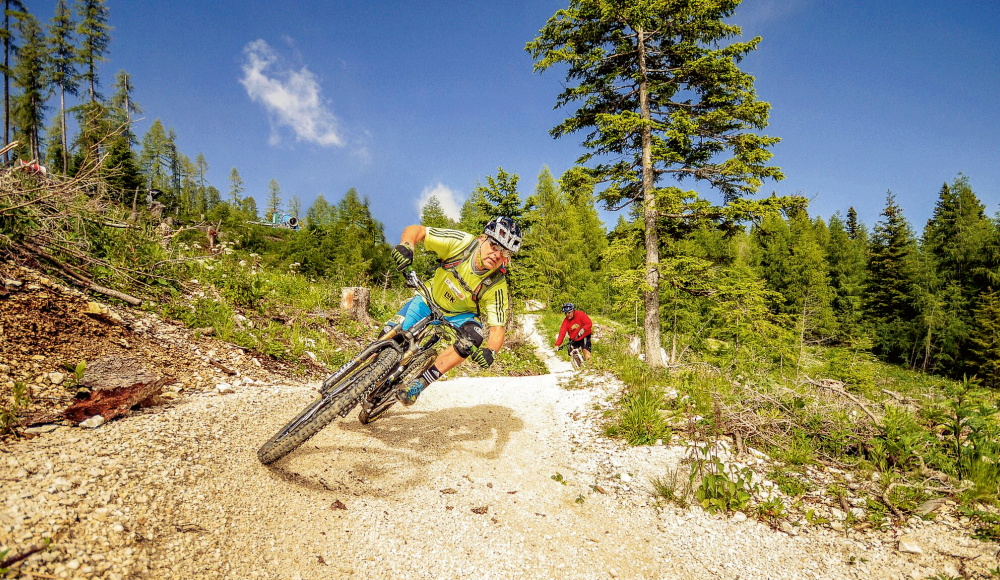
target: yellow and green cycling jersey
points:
(449, 292)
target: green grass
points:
(922, 422)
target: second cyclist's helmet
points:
(505, 232)
(568, 307)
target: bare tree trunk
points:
(651, 294)
(65, 145)
(6, 77)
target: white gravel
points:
(462, 485)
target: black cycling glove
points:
(483, 357)
(403, 255)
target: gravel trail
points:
(482, 478)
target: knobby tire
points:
(325, 410)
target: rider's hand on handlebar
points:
(403, 256)
(483, 357)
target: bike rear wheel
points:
(324, 409)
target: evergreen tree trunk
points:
(62, 110)
(6, 77)
(651, 295)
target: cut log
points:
(354, 302)
(116, 385)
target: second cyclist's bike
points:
(575, 355)
(370, 378)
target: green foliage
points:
(790, 485)
(558, 478)
(771, 510)
(639, 420)
(11, 408)
(973, 438)
(889, 291)
(985, 339)
(722, 488)
(672, 487)
(987, 523)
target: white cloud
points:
(447, 197)
(291, 97)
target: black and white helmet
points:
(505, 232)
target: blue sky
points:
(403, 99)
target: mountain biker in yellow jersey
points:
(469, 285)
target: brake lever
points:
(411, 280)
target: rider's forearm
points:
(495, 341)
(413, 235)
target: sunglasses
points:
(496, 247)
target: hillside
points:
(484, 477)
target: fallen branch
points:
(224, 368)
(77, 278)
(849, 396)
(18, 557)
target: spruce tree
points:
(985, 339)
(30, 77)
(94, 34)
(123, 107)
(432, 216)
(12, 8)
(236, 187)
(889, 303)
(154, 157)
(846, 258)
(319, 213)
(273, 199)
(499, 197)
(62, 68)
(661, 96)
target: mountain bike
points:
(370, 378)
(575, 355)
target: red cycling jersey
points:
(577, 327)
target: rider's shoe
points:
(408, 395)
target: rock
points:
(11, 283)
(837, 526)
(909, 545)
(929, 506)
(951, 571)
(858, 513)
(626, 478)
(838, 515)
(224, 388)
(739, 517)
(56, 378)
(789, 529)
(93, 423)
(103, 313)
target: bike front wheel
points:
(324, 409)
(576, 357)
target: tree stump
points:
(354, 302)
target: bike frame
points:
(408, 343)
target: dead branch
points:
(21, 556)
(840, 391)
(77, 278)
(224, 368)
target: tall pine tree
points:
(660, 94)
